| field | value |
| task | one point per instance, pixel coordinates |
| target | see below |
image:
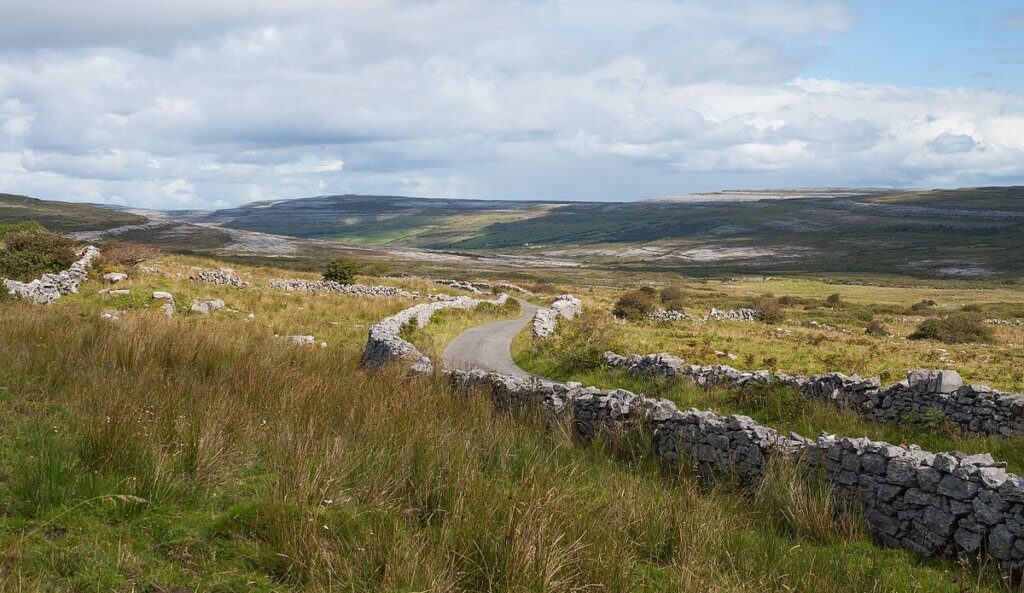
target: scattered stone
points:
(115, 277)
(119, 292)
(669, 315)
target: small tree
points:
(341, 270)
(833, 299)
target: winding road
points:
(488, 347)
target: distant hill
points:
(63, 217)
(970, 232)
(966, 233)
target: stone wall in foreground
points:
(51, 287)
(975, 409)
(384, 345)
(545, 320)
(935, 504)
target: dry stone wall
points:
(545, 320)
(975, 409)
(945, 504)
(297, 284)
(51, 287)
(384, 345)
(223, 277)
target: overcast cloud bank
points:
(212, 103)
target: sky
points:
(214, 103)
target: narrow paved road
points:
(488, 347)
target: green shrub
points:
(635, 304)
(955, 329)
(833, 299)
(788, 300)
(29, 253)
(341, 270)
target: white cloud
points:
(218, 102)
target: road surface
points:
(488, 347)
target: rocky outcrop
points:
(944, 504)
(924, 397)
(206, 307)
(545, 321)
(223, 277)
(297, 284)
(384, 345)
(169, 307)
(51, 287)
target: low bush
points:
(635, 304)
(768, 309)
(672, 294)
(922, 305)
(971, 308)
(788, 300)
(126, 255)
(27, 253)
(955, 329)
(833, 299)
(341, 270)
(876, 328)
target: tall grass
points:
(257, 465)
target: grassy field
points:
(839, 341)
(198, 453)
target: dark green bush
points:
(788, 300)
(27, 253)
(955, 329)
(341, 270)
(833, 299)
(635, 304)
